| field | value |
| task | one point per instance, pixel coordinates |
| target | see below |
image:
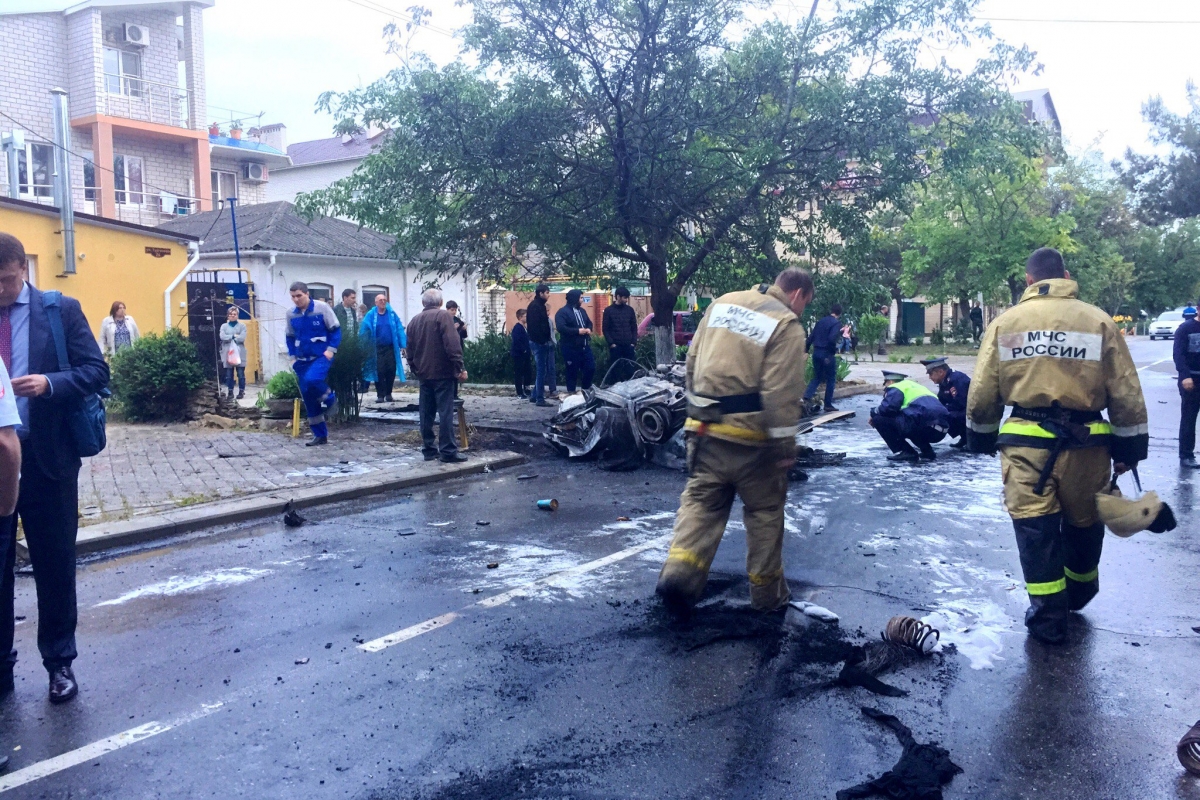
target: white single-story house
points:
(277, 247)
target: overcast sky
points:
(276, 56)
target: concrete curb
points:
(95, 538)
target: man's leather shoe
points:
(431, 456)
(317, 441)
(903, 455)
(457, 458)
(1189, 462)
(62, 685)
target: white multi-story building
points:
(142, 149)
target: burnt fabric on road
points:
(918, 775)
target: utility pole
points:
(62, 178)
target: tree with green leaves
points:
(974, 224)
(1166, 271)
(666, 140)
(1166, 188)
(1096, 202)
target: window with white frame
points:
(128, 179)
(321, 291)
(90, 192)
(123, 72)
(224, 186)
(370, 292)
(35, 170)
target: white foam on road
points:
(570, 579)
(182, 584)
(974, 627)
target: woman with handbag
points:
(118, 330)
(233, 351)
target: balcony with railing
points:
(140, 206)
(136, 98)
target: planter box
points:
(279, 409)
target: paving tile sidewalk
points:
(148, 469)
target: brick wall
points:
(168, 164)
(193, 56)
(248, 193)
(27, 75)
(85, 62)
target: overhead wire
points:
(1094, 21)
(378, 8)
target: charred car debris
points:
(636, 416)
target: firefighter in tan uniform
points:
(745, 376)
(1059, 362)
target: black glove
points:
(979, 442)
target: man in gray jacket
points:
(435, 355)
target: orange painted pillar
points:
(203, 174)
(106, 187)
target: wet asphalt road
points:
(580, 687)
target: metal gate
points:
(208, 302)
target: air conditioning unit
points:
(254, 173)
(137, 34)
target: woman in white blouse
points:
(117, 331)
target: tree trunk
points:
(1015, 290)
(663, 301)
(664, 345)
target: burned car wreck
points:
(637, 416)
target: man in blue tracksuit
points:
(575, 339)
(313, 335)
(909, 413)
(1187, 364)
(953, 387)
(823, 344)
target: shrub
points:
(487, 359)
(154, 378)
(843, 369)
(938, 337)
(345, 377)
(919, 341)
(283, 386)
(644, 351)
(871, 329)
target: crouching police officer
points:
(953, 387)
(1058, 362)
(909, 413)
(745, 375)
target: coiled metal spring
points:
(1189, 750)
(913, 633)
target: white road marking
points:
(94, 750)
(413, 631)
(90, 752)
(1156, 363)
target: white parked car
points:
(1164, 324)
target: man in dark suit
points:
(49, 493)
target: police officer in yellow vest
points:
(745, 376)
(909, 413)
(1059, 362)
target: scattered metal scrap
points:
(624, 424)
